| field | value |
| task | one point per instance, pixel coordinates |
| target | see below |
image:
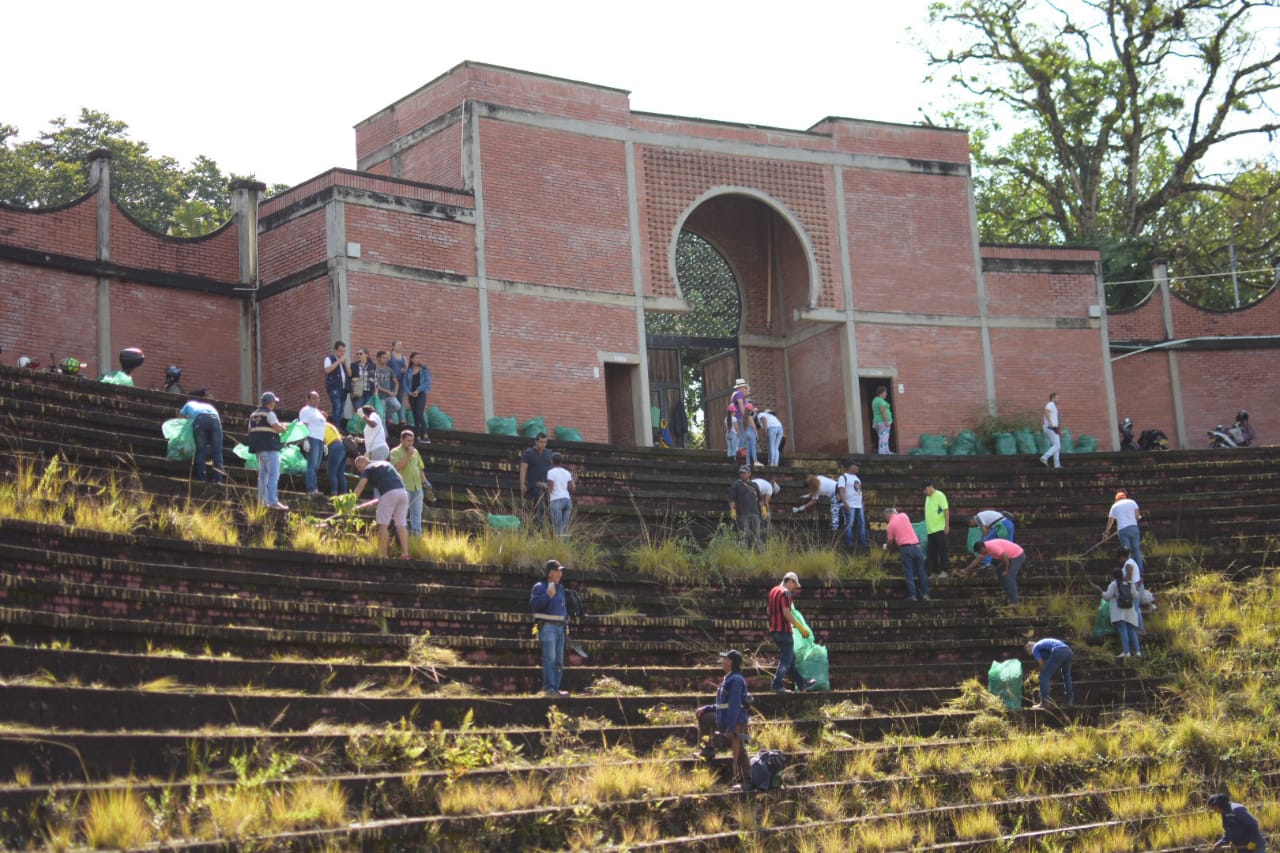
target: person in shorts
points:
(393, 501)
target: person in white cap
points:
(264, 441)
(781, 623)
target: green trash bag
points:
(355, 424)
(811, 658)
(293, 460)
(295, 431)
(1006, 444)
(182, 439)
(1068, 446)
(564, 433)
(118, 377)
(1102, 624)
(437, 419)
(250, 460)
(503, 522)
(975, 536)
(1026, 441)
(502, 426)
(964, 444)
(1086, 444)
(933, 445)
(533, 426)
(1004, 679)
(1042, 443)
(923, 536)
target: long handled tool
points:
(364, 505)
(1100, 542)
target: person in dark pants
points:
(1053, 656)
(547, 600)
(901, 534)
(744, 508)
(417, 384)
(937, 524)
(1240, 830)
(729, 715)
(1008, 559)
(781, 624)
(206, 427)
(535, 462)
(337, 381)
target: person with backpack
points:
(1124, 613)
(725, 722)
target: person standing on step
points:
(397, 363)
(744, 508)
(408, 464)
(337, 381)
(362, 379)
(853, 522)
(751, 436)
(206, 429)
(417, 384)
(816, 488)
(393, 501)
(1133, 574)
(768, 421)
(781, 624)
(1052, 655)
(1053, 432)
(314, 420)
(1124, 516)
(1009, 557)
(1240, 830)
(375, 435)
(560, 496)
(336, 460)
(937, 527)
(729, 715)
(535, 462)
(1124, 613)
(902, 535)
(547, 600)
(264, 442)
(882, 419)
(386, 386)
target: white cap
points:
(791, 576)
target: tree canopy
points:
(53, 169)
(1121, 114)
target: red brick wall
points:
(1032, 363)
(896, 140)
(436, 159)
(69, 230)
(49, 311)
(292, 246)
(817, 422)
(403, 239)
(1218, 383)
(211, 256)
(1145, 394)
(295, 339)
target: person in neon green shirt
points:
(937, 524)
(408, 462)
(882, 419)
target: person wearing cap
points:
(548, 603)
(781, 624)
(1124, 516)
(535, 462)
(264, 442)
(1240, 830)
(315, 421)
(818, 487)
(408, 463)
(729, 716)
(853, 522)
(744, 508)
(393, 501)
(1052, 655)
(1011, 558)
(902, 535)
(206, 428)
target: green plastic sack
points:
(502, 426)
(1006, 444)
(975, 536)
(250, 460)
(503, 522)
(564, 433)
(1042, 443)
(1068, 446)
(295, 431)
(1102, 624)
(437, 419)
(533, 426)
(1026, 441)
(182, 439)
(811, 658)
(118, 377)
(1086, 444)
(1004, 679)
(923, 536)
(964, 444)
(292, 460)
(355, 424)
(933, 445)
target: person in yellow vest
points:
(336, 453)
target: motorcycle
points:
(1150, 439)
(1229, 437)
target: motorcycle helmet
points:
(172, 374)
(131, 359)
(70, 365)
(1127, 423)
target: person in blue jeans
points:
(1053, 656)
(264, 442)
(206, 428)
(782, 624)
(547, 601)
(853, 521)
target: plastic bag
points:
(250, 460)
(1068, 446)
(564, 433)
(811, 658)
(182, 439)
(1006, 444)
(118, 377)
(933, 445)
(437, 419)
(1026, 441)
(923, 536)
(503, 522)
(1102, 625)
(1086, 444)
(964, 444)
(292, 460)
(295, 431)
(1004, 679)
(502, 426)
(533, 426)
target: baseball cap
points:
(791, 576)
(745, 469)
(733, 655)
(269, 397)
(552, 565)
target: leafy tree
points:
(1118, 107)
(707, 283)
(157, 190)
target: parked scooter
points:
(1239, 434)
(1150, 439)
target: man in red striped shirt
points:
(781, 623)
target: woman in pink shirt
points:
(903, 535)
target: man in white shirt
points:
(559, 490)
(1053, 432)
(853, 522)
(1124, 516)
(375, 437)
(314, 420)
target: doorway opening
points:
(619, 395)
(868, 390)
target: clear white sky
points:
(274, 87)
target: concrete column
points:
(100, 183)
(245, 196)
(1107, 378)
(335, 225)
(849, 340)
(1160, 271)
(471, 157)
(643, 415)
(984, 326)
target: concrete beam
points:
(475, 181)
(100, 182)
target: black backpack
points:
(573, 604)
(766, 769)
(1124, 595)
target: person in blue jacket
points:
(730, 718)
(548, 603)
(1240, 830)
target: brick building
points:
(515, 229)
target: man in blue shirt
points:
(393, 501)
(1240, 830)
(206, 426)
(1052, 655)
(730, 717)
(547, 602)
